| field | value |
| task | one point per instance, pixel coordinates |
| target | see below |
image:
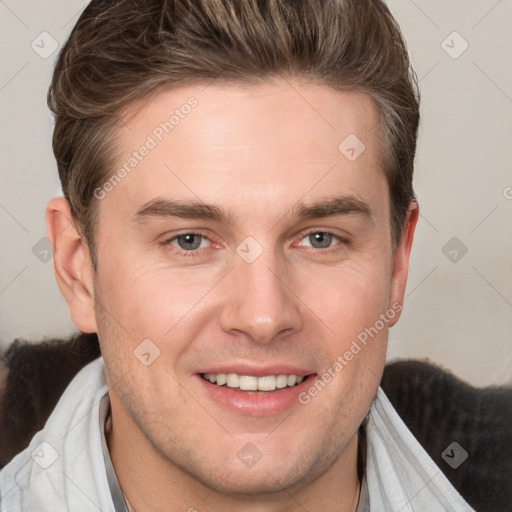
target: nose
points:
(260, 302)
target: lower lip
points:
(254, 403)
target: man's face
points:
(262, 292)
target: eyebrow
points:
(190, 209)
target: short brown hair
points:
(124, 51)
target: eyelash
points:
(196, 252)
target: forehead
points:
(254, 147)
(227, 114)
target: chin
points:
(244, 483)
(270, 475)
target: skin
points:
(257, 151)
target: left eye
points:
(189, 241)
(320, 239)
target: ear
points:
(72, 264)
(401, 259)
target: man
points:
(236, 227)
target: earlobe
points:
(401, 258)
(72, 264)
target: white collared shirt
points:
(67, 466)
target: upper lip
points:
(256, 371)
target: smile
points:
(253, 383)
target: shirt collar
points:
(115, 489)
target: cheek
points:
(355, 307)
(351, 298)
(148, 303)
(350, 305)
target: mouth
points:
(252, 395)
(267, 383)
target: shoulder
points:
(33, 376)
(440, 409)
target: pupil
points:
(323, 238)
(189, 240)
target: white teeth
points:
(281, 381)
(251, 383)
(247, 383)
(232, 380)
(267, 383)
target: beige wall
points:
(456, 312)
